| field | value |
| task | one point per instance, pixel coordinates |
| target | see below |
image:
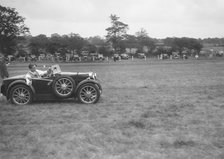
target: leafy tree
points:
(180, 44)
(144, 40)
(39, 44)
(22, 46)
(11, 26)
(97, 41)
(142, 33)
(62, 44)
(101, 45)
(131, 41)
(116, 33)
(90, 48)
(213, 41)
(55, 43)
(76, 42)
(104, 51)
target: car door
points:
(42, 85)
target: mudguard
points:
(18, 82)
(89, 81)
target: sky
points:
(160, 18)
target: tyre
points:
(21, 95)
(88, 93)
(63, 86)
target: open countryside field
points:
(148, 110)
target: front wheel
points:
(88, 93)
(63, 86)
(21, 95)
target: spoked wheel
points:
(88, 93)
(63, 87)
(21, 95)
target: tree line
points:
(15, 39)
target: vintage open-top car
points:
(55, 85)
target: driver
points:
(34, 73)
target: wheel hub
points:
(88, 94)
(63, 86)
(22, 95)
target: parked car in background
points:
(11, 58)
(220, 53)
(100, 57)
(49, 57)
(56, 85)
(164, 56)
(175, 55)
(141, 55)
(116, 57)
(32, 58)
(75, 57)
(59, 58)
(124, 56)
(86, 58)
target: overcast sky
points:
(160, 18)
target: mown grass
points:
(148, 109)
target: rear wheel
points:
(88, 93)
(21, 95)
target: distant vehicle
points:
(84, 58)
(124, 56)
(116, 57)
(32, 58)
(60, 58)
(99, 57)
(175, 56)
(75, 57)
(56, 85)
(10, 58)
(165, 56)
(141, 55)
(220, 53)
(184, 56)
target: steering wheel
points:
(48, 74)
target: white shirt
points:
(36, 74)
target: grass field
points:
(148, 110)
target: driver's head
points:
(32, 67)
